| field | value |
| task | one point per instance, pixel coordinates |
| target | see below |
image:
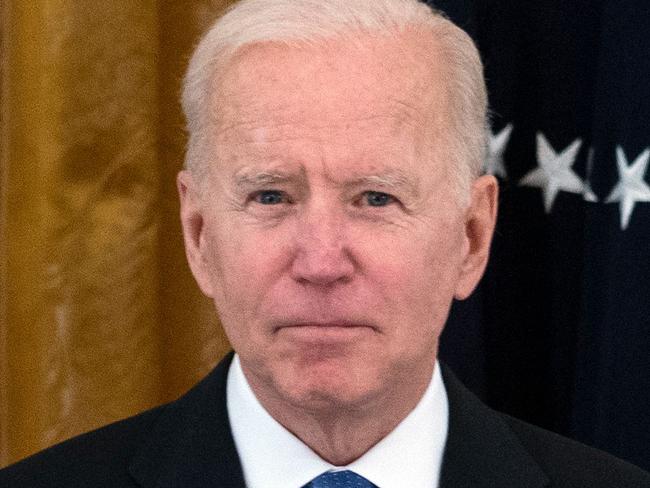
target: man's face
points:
(327, 232)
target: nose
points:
(322, 254)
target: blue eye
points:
(270, 197)
(378, 199)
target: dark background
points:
(558, 332)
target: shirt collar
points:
(272, 457)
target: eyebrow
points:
(394, 179)
(247, 178)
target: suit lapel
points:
(482, 451)
(191, 443)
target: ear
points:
(192, 221)
(480, 220)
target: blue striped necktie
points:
(339, 479)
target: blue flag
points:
(559, 331)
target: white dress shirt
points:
(272, 457)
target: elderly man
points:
(332, 209)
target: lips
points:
(329, 324)
(325, 333)
(315, 325)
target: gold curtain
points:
(99, 316)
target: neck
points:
(341, 434)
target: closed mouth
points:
(324, 325)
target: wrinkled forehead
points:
(400, 76)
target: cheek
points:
(243, 262)
(417, 273)
(415, 256)
(233, 270)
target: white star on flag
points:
(493, 164)
(554, 171)
(631, 187)
(589, 194)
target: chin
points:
(327, 384)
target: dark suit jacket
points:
(188, 444)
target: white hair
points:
(311, 22)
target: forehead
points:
(397, 72)
(384, 92)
